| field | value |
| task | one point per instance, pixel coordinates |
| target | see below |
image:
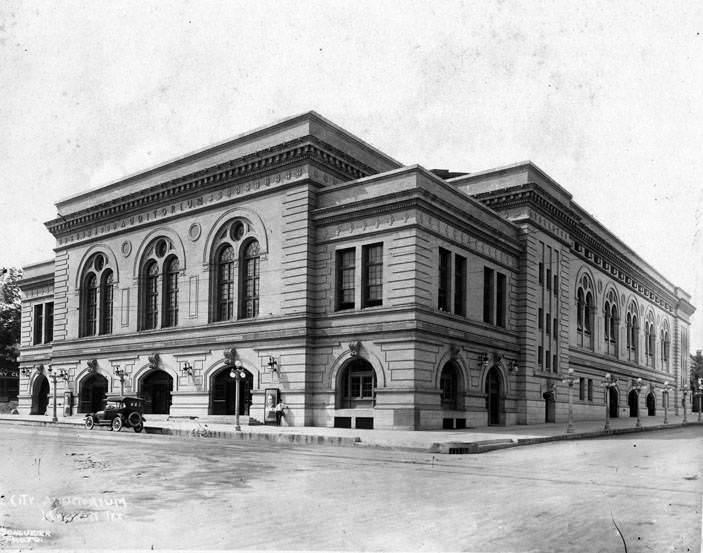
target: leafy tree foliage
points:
(10, 305)
(696, 368)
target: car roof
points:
(122, 398)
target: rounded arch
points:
(449, 355)
(92, 392)
(356, 384)
(495, 389)
(111, 262)
(156, 386)
(251, 216)
(222, 391)
(87, 371)
(220, 364)
(144, 371)
(504, 381)
(150, 237)
(40, 394)
(585, 272)
(346, 356)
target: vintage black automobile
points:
(119, 411)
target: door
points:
(494, 399)
(156, 390)
(632, 401)
(613, 405)
(93, 392)
(223, 390)
(40, 396)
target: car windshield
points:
(132, 404)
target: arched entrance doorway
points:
(40, 395)
(651, 405)
(450, 386)
(92, 394)
(494, 396)
(155, 388)
(632, 401)
(613, 402)
(356, 385)
(223, 391)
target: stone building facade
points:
(360, 291)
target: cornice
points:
(253, 165)
(585, 245)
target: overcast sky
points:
(605, 97)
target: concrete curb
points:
(306, 439)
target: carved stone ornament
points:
(126, 248)
(230, 356)
(194, 232)
(454, 351)
(354, 348)
(92, 365)
(154, 360)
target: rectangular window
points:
(590, 389)
(540, 273)
(372, 263)
(540, 355)
(540, 318)
(548, 360)
(548, 324)
(460, 285)
(488, 295)
(549, 279)
(501, 294)
(555, 327)
(444, 286)
(555, 364)
(582, 389)
(346, 267)
(38, 323)
(556, 284)
(49, 322)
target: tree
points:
(696, 368)
(10, 316)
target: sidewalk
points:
(470, 440)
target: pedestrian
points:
(280, 407)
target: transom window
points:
(96, 296)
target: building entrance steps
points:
(470, 440)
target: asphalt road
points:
(68, 489)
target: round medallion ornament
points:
(194, 231)
(126, 248)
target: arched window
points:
(632, 332)
(235, 286)
(649, 340)
(356, 385)
(584, 313)
(664, 345)
(151, 289)
(106, 298)
(610, 318)
(224, 272)
(96, 296)
(159, 285)
(250, 280)
(171, 292)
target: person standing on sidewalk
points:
(280, 407)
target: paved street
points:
(65, 488)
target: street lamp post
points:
(238, 374)
(638, 386)
(684, 393)
(61, 373)
(666, 402)
(120, 373)
(608, 382)
(569, 380)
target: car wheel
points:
(134, 418)
(138, 427)
(116, 424)
(89, 422)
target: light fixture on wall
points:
(483, 360)
(121, 374)
(273, 365)
(187, 368)
(514, 367)
(26, 371)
